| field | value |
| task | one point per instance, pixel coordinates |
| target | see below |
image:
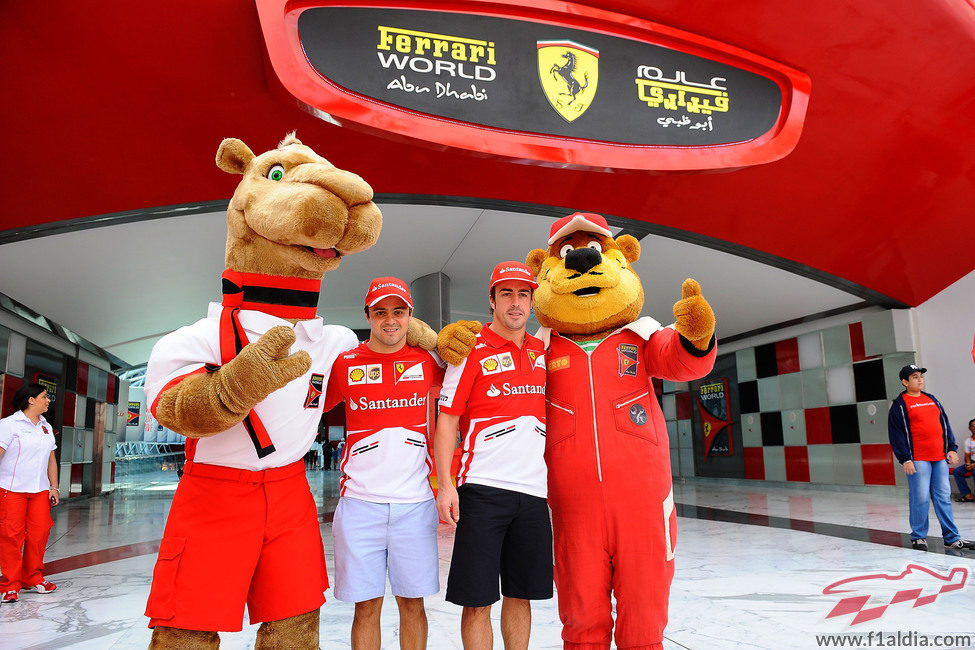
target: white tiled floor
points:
(736, 586)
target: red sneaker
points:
(45, 587)
(9, 597)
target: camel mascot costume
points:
(606, 446)
(244, 385)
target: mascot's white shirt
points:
(291, 424)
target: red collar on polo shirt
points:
(495, 340)
(280, 296)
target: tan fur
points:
(270, 224)
(620, 296)
(298, 632)
(590, 317)
(174, 638)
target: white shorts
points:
(371, 538)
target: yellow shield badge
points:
(568, 72)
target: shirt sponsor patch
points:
(638, 415)
(374, 374)
(407, 371)
(629, 354)
(491, 365)
(560, 363)
(314, 395)
(493, 391)
(507, 363)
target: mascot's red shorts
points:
(236, 536)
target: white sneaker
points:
(961, 543)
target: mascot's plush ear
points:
(629, 246)
(537, 256)
(233, 156)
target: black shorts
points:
(500, 533)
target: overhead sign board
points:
(582, 87)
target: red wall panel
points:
(818, 429)
(878, 464)
(754, 463)
(787, 356)
(797, 464)
(82, 378)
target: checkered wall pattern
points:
(812, 408)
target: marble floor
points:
(758, 566)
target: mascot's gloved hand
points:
(695, 318)
(420, 334)
(205, 404)
(457, 340)
(260, 369)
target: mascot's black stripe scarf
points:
(272, 294)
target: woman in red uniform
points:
(28, 488)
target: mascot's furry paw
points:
(299, 632)
(420, 334)
(261, 368)
(208, 403)
(695, 318)
(166, 638)
(456, 340)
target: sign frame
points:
(342, 107)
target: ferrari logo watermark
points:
(568, 72)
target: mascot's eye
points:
(565, 250)
(595, 245)
(276, 172)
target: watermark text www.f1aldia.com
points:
(895, 640)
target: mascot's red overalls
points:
(609, 481)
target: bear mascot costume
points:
(606, 446)
(244, 386)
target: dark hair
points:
(970, 422)
(24, 393)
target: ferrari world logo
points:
(568, 72)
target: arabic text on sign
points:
(652, 92)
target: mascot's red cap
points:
(578, 221)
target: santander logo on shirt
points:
(508, 389)
(366, 404)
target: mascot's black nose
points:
(581, 260)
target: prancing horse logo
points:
(568, 72)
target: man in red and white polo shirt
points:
(496, 397)
(386, 518)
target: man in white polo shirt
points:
(386, 518)
(497, 399)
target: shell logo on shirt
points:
(491, 365)
(407, 371)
